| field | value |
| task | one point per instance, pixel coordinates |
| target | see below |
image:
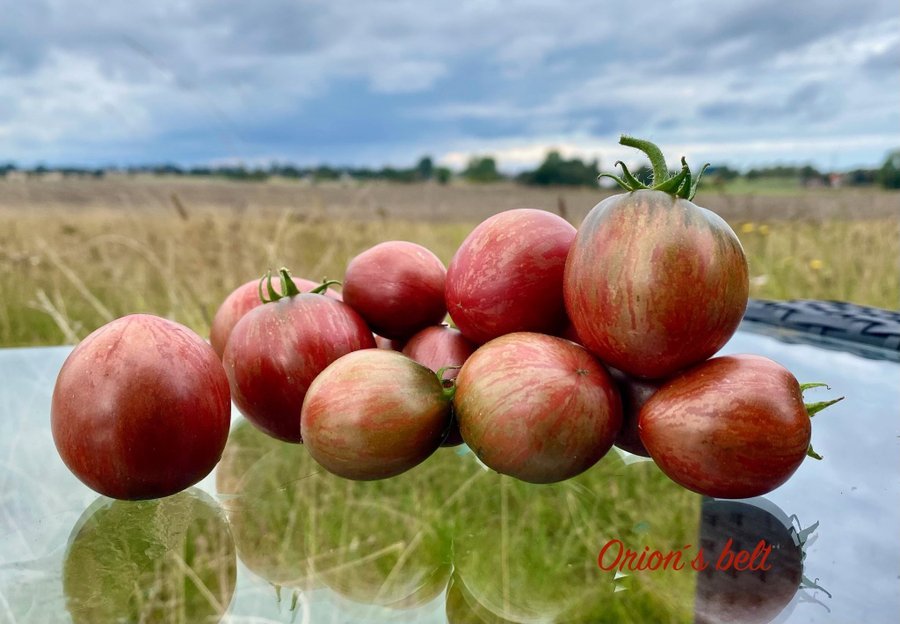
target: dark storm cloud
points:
(354, 81)
(812, 99)
(751, 31)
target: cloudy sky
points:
(742, 82)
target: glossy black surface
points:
(268, 537)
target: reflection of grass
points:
(381, 542)
(529, 552)
(523, 552)
(63, 275)
(167, 560)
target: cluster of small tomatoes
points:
(564, 342)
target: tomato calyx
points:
(814, 408)
(448, 385)
(683, 184)
(288, 287)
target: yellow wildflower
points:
(748, 227)
(816, 265)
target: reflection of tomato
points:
(536, 407)
(246, 445)
(732, 427)
(167, 560)
(141, 408)
(387, 542)
(462, 608)
(528, 553)
(274, 493)
(384, 542)
(746, 596)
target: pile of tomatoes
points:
(564, 342)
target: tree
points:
(889, 174)
(809, 175)
(482, 169)
(556, 170)
(721, 172)
(442, 175)
(862, 177)
(425, 168)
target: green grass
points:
(759, 186)
(843, 260)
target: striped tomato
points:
(654, 283)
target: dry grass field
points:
(76, 253)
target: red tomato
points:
(568, 332)
(507, 275)
(141, 408)
(243, 299)
(732, 427)
(654, 283)
(634, 393)
(386, 343)
(277, 349)
(397, 287)
(438, 347)
(536, 407)
(374, 414)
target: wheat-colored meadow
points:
(76, 253)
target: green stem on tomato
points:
(814, 408)
(693, 190)
(682, 184)
(323, 287)
(288, 286)
(673, 184)
(628, 177)
(273, 294)
(685, 186)
(657, 160)
(448, 385)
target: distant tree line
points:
(554, 170)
